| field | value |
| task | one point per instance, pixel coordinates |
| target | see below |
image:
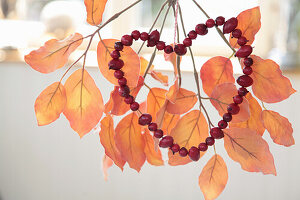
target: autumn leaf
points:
(254, 122)
(50, 104)
(94, 9)
(106, 164)
(279, 127)
(249, 149)
(213, 178)
(84, 102)
(130, 141)
(107, 140)
(173, 91)
(131, 60)
(269, 85)
(215, 71)
(144, 65)
(191, 130)
(54, 54)
(153, 157)
(249, 23)
(155, 100)
(160, 77)
(222, 96)
(172, 57)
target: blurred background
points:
(51, 162)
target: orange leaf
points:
(269, 85)
(54, 54)
(94, 9)
(173, 91)
(84, 106)
(185, 100)
(222, 96)
(131, 60)
(190, 130)
(215, 71)
(50, 104)
(107, 135)
(254, 122)
(106, 164)
(144, 65)
(249, 24)
(213, 177)
(279, 127)
(153, 157)
(160, 77)
(130, 142)
(172, 57)
(249, 149)
(155, 100)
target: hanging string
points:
(176, 22)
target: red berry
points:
(124, 91)
(152, 126)
(194, 153)
(192, 35)
(222, 124)
(247, 70)
(244, 81)
(230, 25)
(216, 133)
(158, 133)
(187, 42)
(233, 108)
(242, 41)
(244, 51)
(134, 106)
(248, 62)
(180, 49)
(127, 40)
(201, 29)
(236, 33)
(116, 64)
(129, 99)
(119, 46)
(135, 34)
(220, 21)
(168, 49)
(166, 142)
(144, 36)
(227, 117)
(210, 141)
(118, 74)
(151, 43)
(145, 119)
(183, 152)
(160, 45)
(175, 148)
(154, 35)
(242, 91)
(238, 99)
(202, 146)
(210, 23)
(115, 54)
(122, 81)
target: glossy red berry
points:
(151, 43)
(210, 141)
(242, 41)
(244, 81)
(166, 142)
(201, 29)
(242, 91)
(238, 99)
(183, 152)
(152, 126)
(230, 25)
(227, 117)
(236, 33)
(168, 49)
(127, 40)
(144, 36)
(129, 99)
(134, 106)
(180, 49)
(124, 91)
(175, 148)
(194, 153)
(115, 54)
(187, 42)
(248, 62)
(158, 133)
(122, 81)
(118, 74)
(216, 133)
(220, 21)
(192, 35)
(116, 64)
(233, 108)
(145, 119)
(154, 35)
(244, 51)
(222, 124)
(136, 34)
(247, 70)
(202, 146)
(210, 23)
(118, 46)
(160, 45)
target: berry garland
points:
(153, 39)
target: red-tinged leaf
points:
(144, 65)
(131, 60)
(215, 71)
(279, 127)
(254, 122)
(160, 77)
(185, 100)
(143, 107)
(191, 130)
(269, 85)
(54, 54)
(172, 57)
(249, 23)
(84, 106)
(130, 142)
(153, 157)
(106, 164)
(50, 104)
(155, 100)
(107, 139)
(94, 9)
(213, 177)
(173, 91)
(249, 149)
(222, 96)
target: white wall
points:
(52, 163)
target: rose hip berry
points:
(135, 34)
(144, 36)
(216, 133)
(201, 29)
(154, 36)
(145, 119)
(124, 91)
(244, 51)
(242, 41)
(151, 43)
(134, 106)
(166, 142)
(119, 46)
(210, 141)
(158, 133)
(122, 81)
(242, 91)
(230, 25)
(118, 74)
(192, 35)
(238, 99)
(152, 126)
(194, 153)
(244, 81)
(168, 49)
(175, 148)
(233, 108)
(127, 40)
(202, 146)
(222, 124)
(220, 21)
(183, 152)
(227, 117)
(187, 42)
(116, 64)
(180, 49)
(129, 99)
(210, 23)
(248, 62)
(160, 45)
(236, 33)
(247, 70)
(115, 54)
